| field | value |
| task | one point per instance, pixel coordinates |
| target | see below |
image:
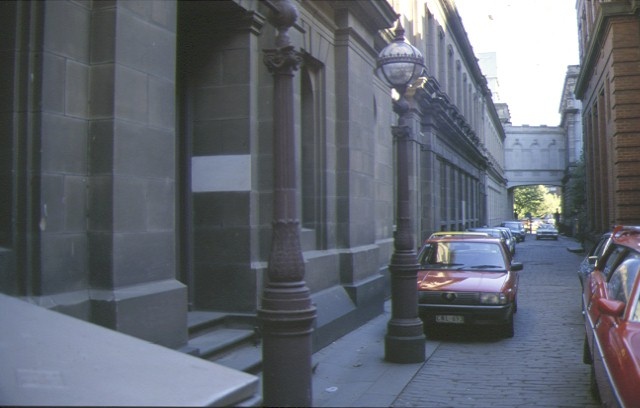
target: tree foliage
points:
(575, 205)
(577, 189)
(536, 200)
(550, 204)
(528, 199)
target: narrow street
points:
(541, 366)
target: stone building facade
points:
(460, 140)
(137, 156)
(535, 155)
(548, 155)
(607, 85)
(571, 121)
(570, 116)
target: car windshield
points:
(463, 255)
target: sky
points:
(534, 42)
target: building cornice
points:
(435, 104)
(466, 50)
(374, 15)
(606, 13)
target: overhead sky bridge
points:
(535, 155)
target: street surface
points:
(541, 366)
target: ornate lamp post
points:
(286, 313)
(399, 65)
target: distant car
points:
(467, 281)
(516, 228)
(612, 321)
(497, 233)
(547, 231)
(512, 240)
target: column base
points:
(404, 349)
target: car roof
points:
(627, 235)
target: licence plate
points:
(449, 319)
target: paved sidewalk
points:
(351, 372)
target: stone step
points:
(229, 340)
(247, 358)
(199, 321)
(219, 340)
(202, 321)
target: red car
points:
(612, 321)
(467, 281)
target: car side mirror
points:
(517, 266)
(609, 307)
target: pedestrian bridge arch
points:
(534, 155)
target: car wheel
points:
(586, 353)
(537, 238)
(593, 384)
(508, 328)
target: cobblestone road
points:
(541, 366)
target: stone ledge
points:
(52, 359)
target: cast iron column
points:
(286, 313)
(405, 340)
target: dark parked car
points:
(517, 229)
(612, 321)
(547, 231)
(512, 240)
(467, 281)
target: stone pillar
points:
(132, 170)
(286, 314)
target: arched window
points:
(313, 150)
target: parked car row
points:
(610, 281)
(501, 233)
(468, 278)
(517, 229)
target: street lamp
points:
(400, 65)
(286, 313)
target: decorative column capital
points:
(284, 60)
(400, 132)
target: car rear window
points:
(463, 254)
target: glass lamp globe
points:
(399, 63)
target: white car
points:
(547, 231)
